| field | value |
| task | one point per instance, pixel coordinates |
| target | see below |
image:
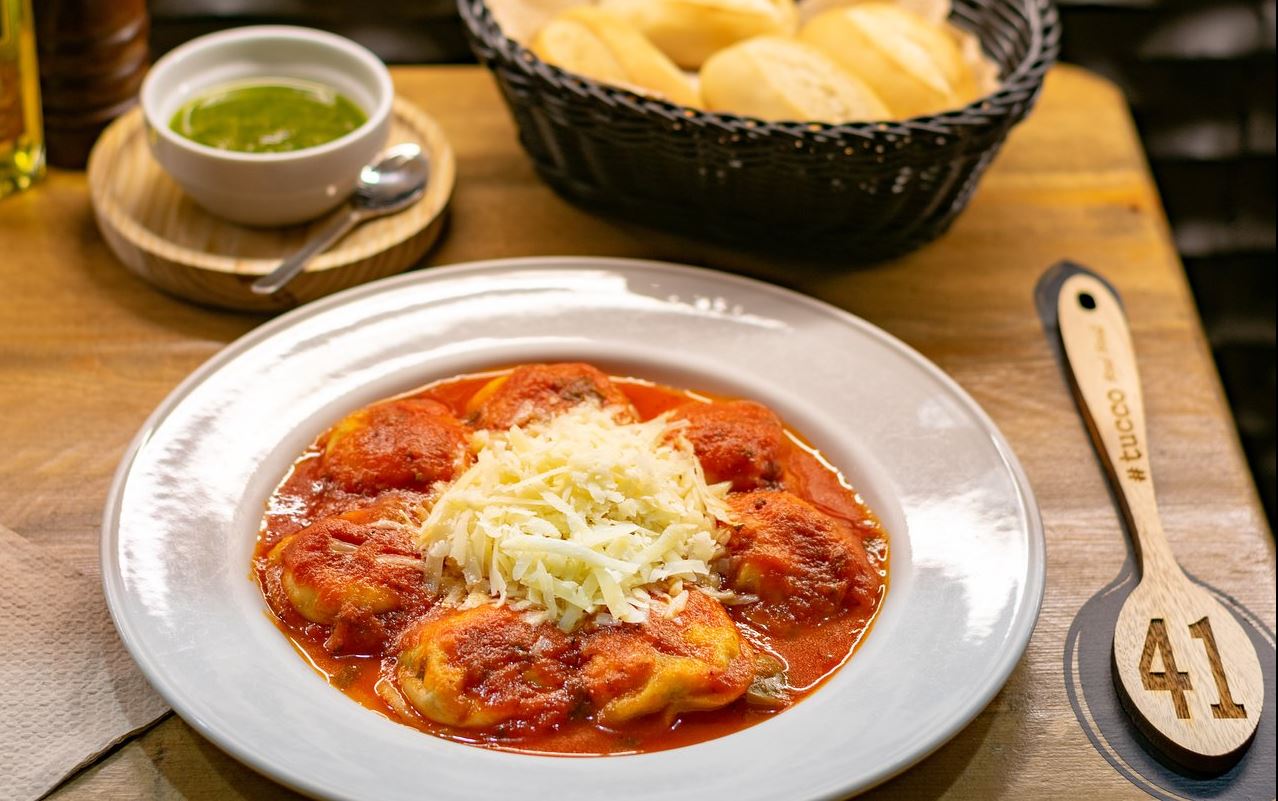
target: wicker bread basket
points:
(852, 192)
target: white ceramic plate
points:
(967, 562)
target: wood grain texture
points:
(1102, 360)
(1202, 708)
(162, 235)
(87, 350)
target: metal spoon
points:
(394, 182)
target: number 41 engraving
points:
(1178, 683)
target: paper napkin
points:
(68, 689)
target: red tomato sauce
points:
(810, 652)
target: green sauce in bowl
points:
(268, 116)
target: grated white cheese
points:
(576, 515)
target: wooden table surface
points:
(87, 350)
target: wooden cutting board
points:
(163, 236)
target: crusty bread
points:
(937, 39)
(593, 42)
(776, 78)
(521, 19)
(915, 66)
(690, 31)
(982, 72)
(934, 11)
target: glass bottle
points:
(21, 135)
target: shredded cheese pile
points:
(577, 515)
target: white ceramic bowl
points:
(267, 188)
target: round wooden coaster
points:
(163, 236)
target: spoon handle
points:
(288, 269)
(1102, 361)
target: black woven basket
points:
(854, 192)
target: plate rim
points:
(1020, 630)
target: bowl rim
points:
(1025, 76)
(377, 116)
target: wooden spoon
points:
(1185, 670)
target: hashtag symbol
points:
(1135, 474)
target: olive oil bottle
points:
(21, 134)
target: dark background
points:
(1200, 78)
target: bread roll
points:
(934, 11)
(521, 19)
(777, 78)
(982, 72)
(939, 39)
(916, 67)
(599, 45)
(690, 31)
